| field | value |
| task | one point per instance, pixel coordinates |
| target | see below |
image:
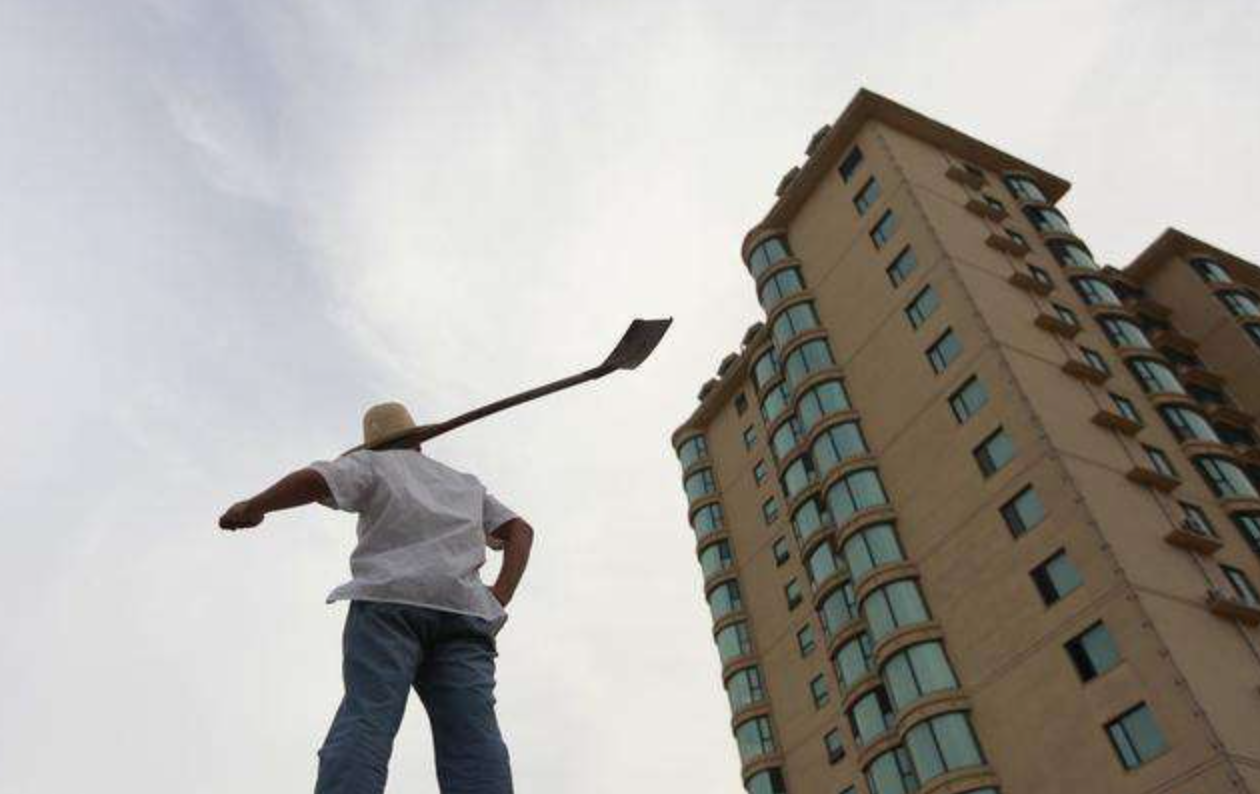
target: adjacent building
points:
(974, 513)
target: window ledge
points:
(962, 176)
(1225, 605)
(1029, 283)
(1229, 415)
(1083, 371)
(1113, 420)
(1006, 245)
(1057, 325)
(1176, 340)
(1143, 475)
(986, 210)
(1200, 377)
(1183, 537)
(1150, 307)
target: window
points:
(692, 450)
(1210, 271)
(892, 606)
(1095, 360)
(818, 691)
(871, 547)
(994, 204)
(1047, 219)
(854, 660)
(741, 404)
(759, 472)
(725, 599)
(1136, 737)
(1066, 315)
(1187, 424)
(1041, 276)
(1092, 652)
(850, 163)
(871, 716)
(943, 351)
(781, 552)
(699, 484)
(1195, 520)
(1096, 292)
(715, 559)
(1248, 525)
(766, 255)
(994, 452)
(750, 437)
(916, 672)
(821, 563)
(792, 592)
(1017, 237)
(838, 609)
(1123, 333)
(1225, 478)
(808, 519)
(744, 688)
(1056, 578)
(833, 743)
(770, 510)
(1072, 255)
(768, 781)
(796, 320)
(1124, 407)
(1240, 304)
(765, 369)
(1243, 587)
(866, 196)
(775, 403)
(891, 773)
(902, 266)
(1023, 512)
(1159, 461)
(733, 642)
(779, 286)
(1253, 331)
(837, 444)
(884, 228)
(1155, 377)
(825, 398)
(785, 438)
(922, 306)
(810, 357)
(857, 491)
(707, 519)
(805, 640)
(1024, 189)
(942, 744)
(754, 738)
(969, 399)
(798, 476)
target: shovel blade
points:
(640, 339)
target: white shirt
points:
(423, 531)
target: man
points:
(420, 616)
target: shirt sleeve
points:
(349, 478)
(494, 514)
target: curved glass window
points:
(825, 398)
(716, 558)
(871, 716)
(893, 606)
(838, 609)
(1072, 254)
(733, 642)
(754, 738)
(767, 254)
(856, 491)
(1155, 376)
(1240, 304)
(1225, 478)
(810, 357)
(785, 438)
(798, 476)
(943, 744)
(692, 450)
(1210, 271)
(765, 369)
(1096, 292)
(774, 404)
(892, 773)
(745, 688)
(918, 671)
(1024, 189)
(874, 545)
(1047, 219)
(836, 444)
(699, 484)
(855, 660)
(767, 781)
(808, 519)
(822, 563)
(707, 519)
(779, 286)
(1124, 333)
(1188, 424)
(794, 320)
(725, 599)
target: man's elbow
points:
(517, 532)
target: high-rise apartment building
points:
(974, 513)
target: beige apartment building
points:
(974, 513)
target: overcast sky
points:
(227, 226)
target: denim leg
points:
(381, 652)
(456, 685)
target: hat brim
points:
(388, 438)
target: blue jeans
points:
(449, 660)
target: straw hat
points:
(384, 424)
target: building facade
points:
(973, 513)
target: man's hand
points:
(499, 596)
(241, 515)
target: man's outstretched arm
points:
(518, 538)
(294, 490)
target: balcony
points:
(1171, 338)
(1150, 308)
(994, 212)
(1229, 415)
(1198, 376)
(1229, 606)
(971, 177)
(1055, 324)
(1030, 283)
(1113, 420)
(1006, 245)
(1145, 475)
(1083, 371)
(1185, 536)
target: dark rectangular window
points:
(849, 165)
(805, 640)
(1135, 737)
(818, 691)
(1243, 588)
(759, 472)
(792, 591)
(1023, 512)
(902, 266)
(1160, 461)
(994, 452)
(1066, 314)
(1092, 652)
(1248, 525)
(781, 552)
(1017, 237)
(1095, 360)
(1041, 275)
(1194, 519)
(770, 510)
(1056, 577)
(945, 349)
(741, 404)
(883, 229)
(969, 399)
(1125, 408)
(834, 745)
(922, 306)
(750, 437)
(866, 196)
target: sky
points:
(228, 227)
